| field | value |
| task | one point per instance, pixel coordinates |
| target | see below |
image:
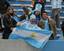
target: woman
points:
(8, 23)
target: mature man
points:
(56, 8)
(47, 23)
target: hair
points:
(10, 8)
(44, 12)
(26, 10)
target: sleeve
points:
(14, 23)
(53, 26)
(5, 22)
(41, 24)
(0, 22)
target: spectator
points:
(31, 24)
(26, 13)
(8, 23)
(47, 23)
(37, 15)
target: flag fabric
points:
(36, 38)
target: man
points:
(8, 23)
(56, 8)
(47, 23)
(31, 24)
(37, 15)
(25, 13)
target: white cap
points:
(38, 7)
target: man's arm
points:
(53, 26)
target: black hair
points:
(25, 8)
(43, 12)
(3, 6)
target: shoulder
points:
(51, 20)
(4, 17)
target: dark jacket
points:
(8, 23)
(0, 23)
(62, 26)
(1, 28)
(52, 25)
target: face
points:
(11, 12)
(44, 15)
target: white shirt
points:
(56, 3)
